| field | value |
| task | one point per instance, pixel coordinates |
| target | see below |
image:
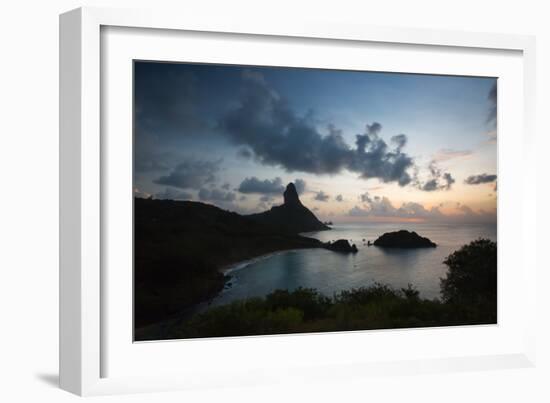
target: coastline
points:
(233, 267)
(158, 330)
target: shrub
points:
(472, 274)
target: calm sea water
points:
(330, 272)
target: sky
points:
(360, 146)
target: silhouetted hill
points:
(292, 216)
(181, 245)
(403, 239)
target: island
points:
(403, 239)
(341, 245)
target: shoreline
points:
(233, 267)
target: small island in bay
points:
(341, 245)
(403, 239)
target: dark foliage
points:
(306, 310)
(472, 276)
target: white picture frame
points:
(86, 346)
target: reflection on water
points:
(330, 272)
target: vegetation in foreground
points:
(468, 297)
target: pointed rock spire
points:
(291, 195)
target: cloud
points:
(321, 196)
(191, 174)
(265, 123)
(382, 208)
(226, 186)
(365, 197)
(216, 195)
(400, 141)
(479, 179)
(141, 194)
(255, 185)
(300, 185)
(147, 156)
(438, 180)
(447, 154)
(372, 157)
(339, 198)
(173, 194)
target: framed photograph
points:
(236, 199)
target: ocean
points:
(330, 272)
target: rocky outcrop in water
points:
(403, 239)
(341, 245)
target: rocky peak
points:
(291, 195)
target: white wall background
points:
(29, 197)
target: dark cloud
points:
(266, 186)
(372, 157)
(339, 198)
(430, 185)
(216, 195)
(365, 197)
(173, 194)
(438, 180)
(244, 153)
(321, 196)
(300, 185)
(400, 141)
(191, 174)
(147, 156)
(226, 186)
(266, 124)
(479, 179)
